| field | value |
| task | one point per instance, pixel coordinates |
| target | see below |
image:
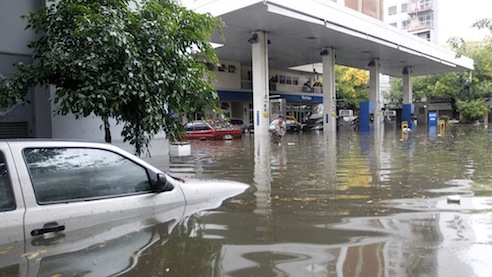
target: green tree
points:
(447, 85)
(351, 86)
(472, 110)
(395, 93)
(464, 87)
(140, 66)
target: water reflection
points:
(262, 172)
(358, 205)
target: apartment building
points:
(373, 8)
(418, 17)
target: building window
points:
(425, 4)
(425, 35)
(405, 24)
(392, 10)
(393, 24)
(288, 80)
(404, 7)
(425, 21)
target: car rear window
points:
(7, 202)
(201, 127)
(71, 174)
(222, 125)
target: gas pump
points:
(408, 114)
(277, 107)
(366, 116)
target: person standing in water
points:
(278, 127)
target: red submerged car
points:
(211, 130)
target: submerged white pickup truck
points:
(59, 200)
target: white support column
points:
(329, 93)
(407, 86)
(261, 103)
(374, 89)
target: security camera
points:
(253, 38)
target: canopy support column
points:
(329, 93)
(261, 103)
(374, 70)
(408, 107)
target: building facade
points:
(373, 8)
(418, 17)
(359, 41)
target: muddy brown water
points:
(368, 205)
(360, 204)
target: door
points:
(84, 199)
(11, 218)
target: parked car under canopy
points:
(211, 130)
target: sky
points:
(457, 16)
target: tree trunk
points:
(107, 131)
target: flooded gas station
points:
(363, 204)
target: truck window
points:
(75, 174)
(7, 202)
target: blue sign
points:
(257, 118)
(432, 118)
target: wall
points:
(228, 75)
(13, 48)
(91, 129)
(14, 37)
(302, 78)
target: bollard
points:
(404, 130)
(442, 126)
(404, 125)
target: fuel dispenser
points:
(366, 116)
(408, 115)
(432, 118)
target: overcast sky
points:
(457, 16)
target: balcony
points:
(419, 8)
(422, 25)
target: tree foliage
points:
(395, 94)
(351, 86)
(465, 88)
(472, 110)
(140, 66)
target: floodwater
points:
(367, 204)
(350, 204)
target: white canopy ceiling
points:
(299, 30)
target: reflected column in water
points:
(376, 162)
(331, 159)
(262, 174)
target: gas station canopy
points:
(299, 30)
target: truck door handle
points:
(48, 228)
